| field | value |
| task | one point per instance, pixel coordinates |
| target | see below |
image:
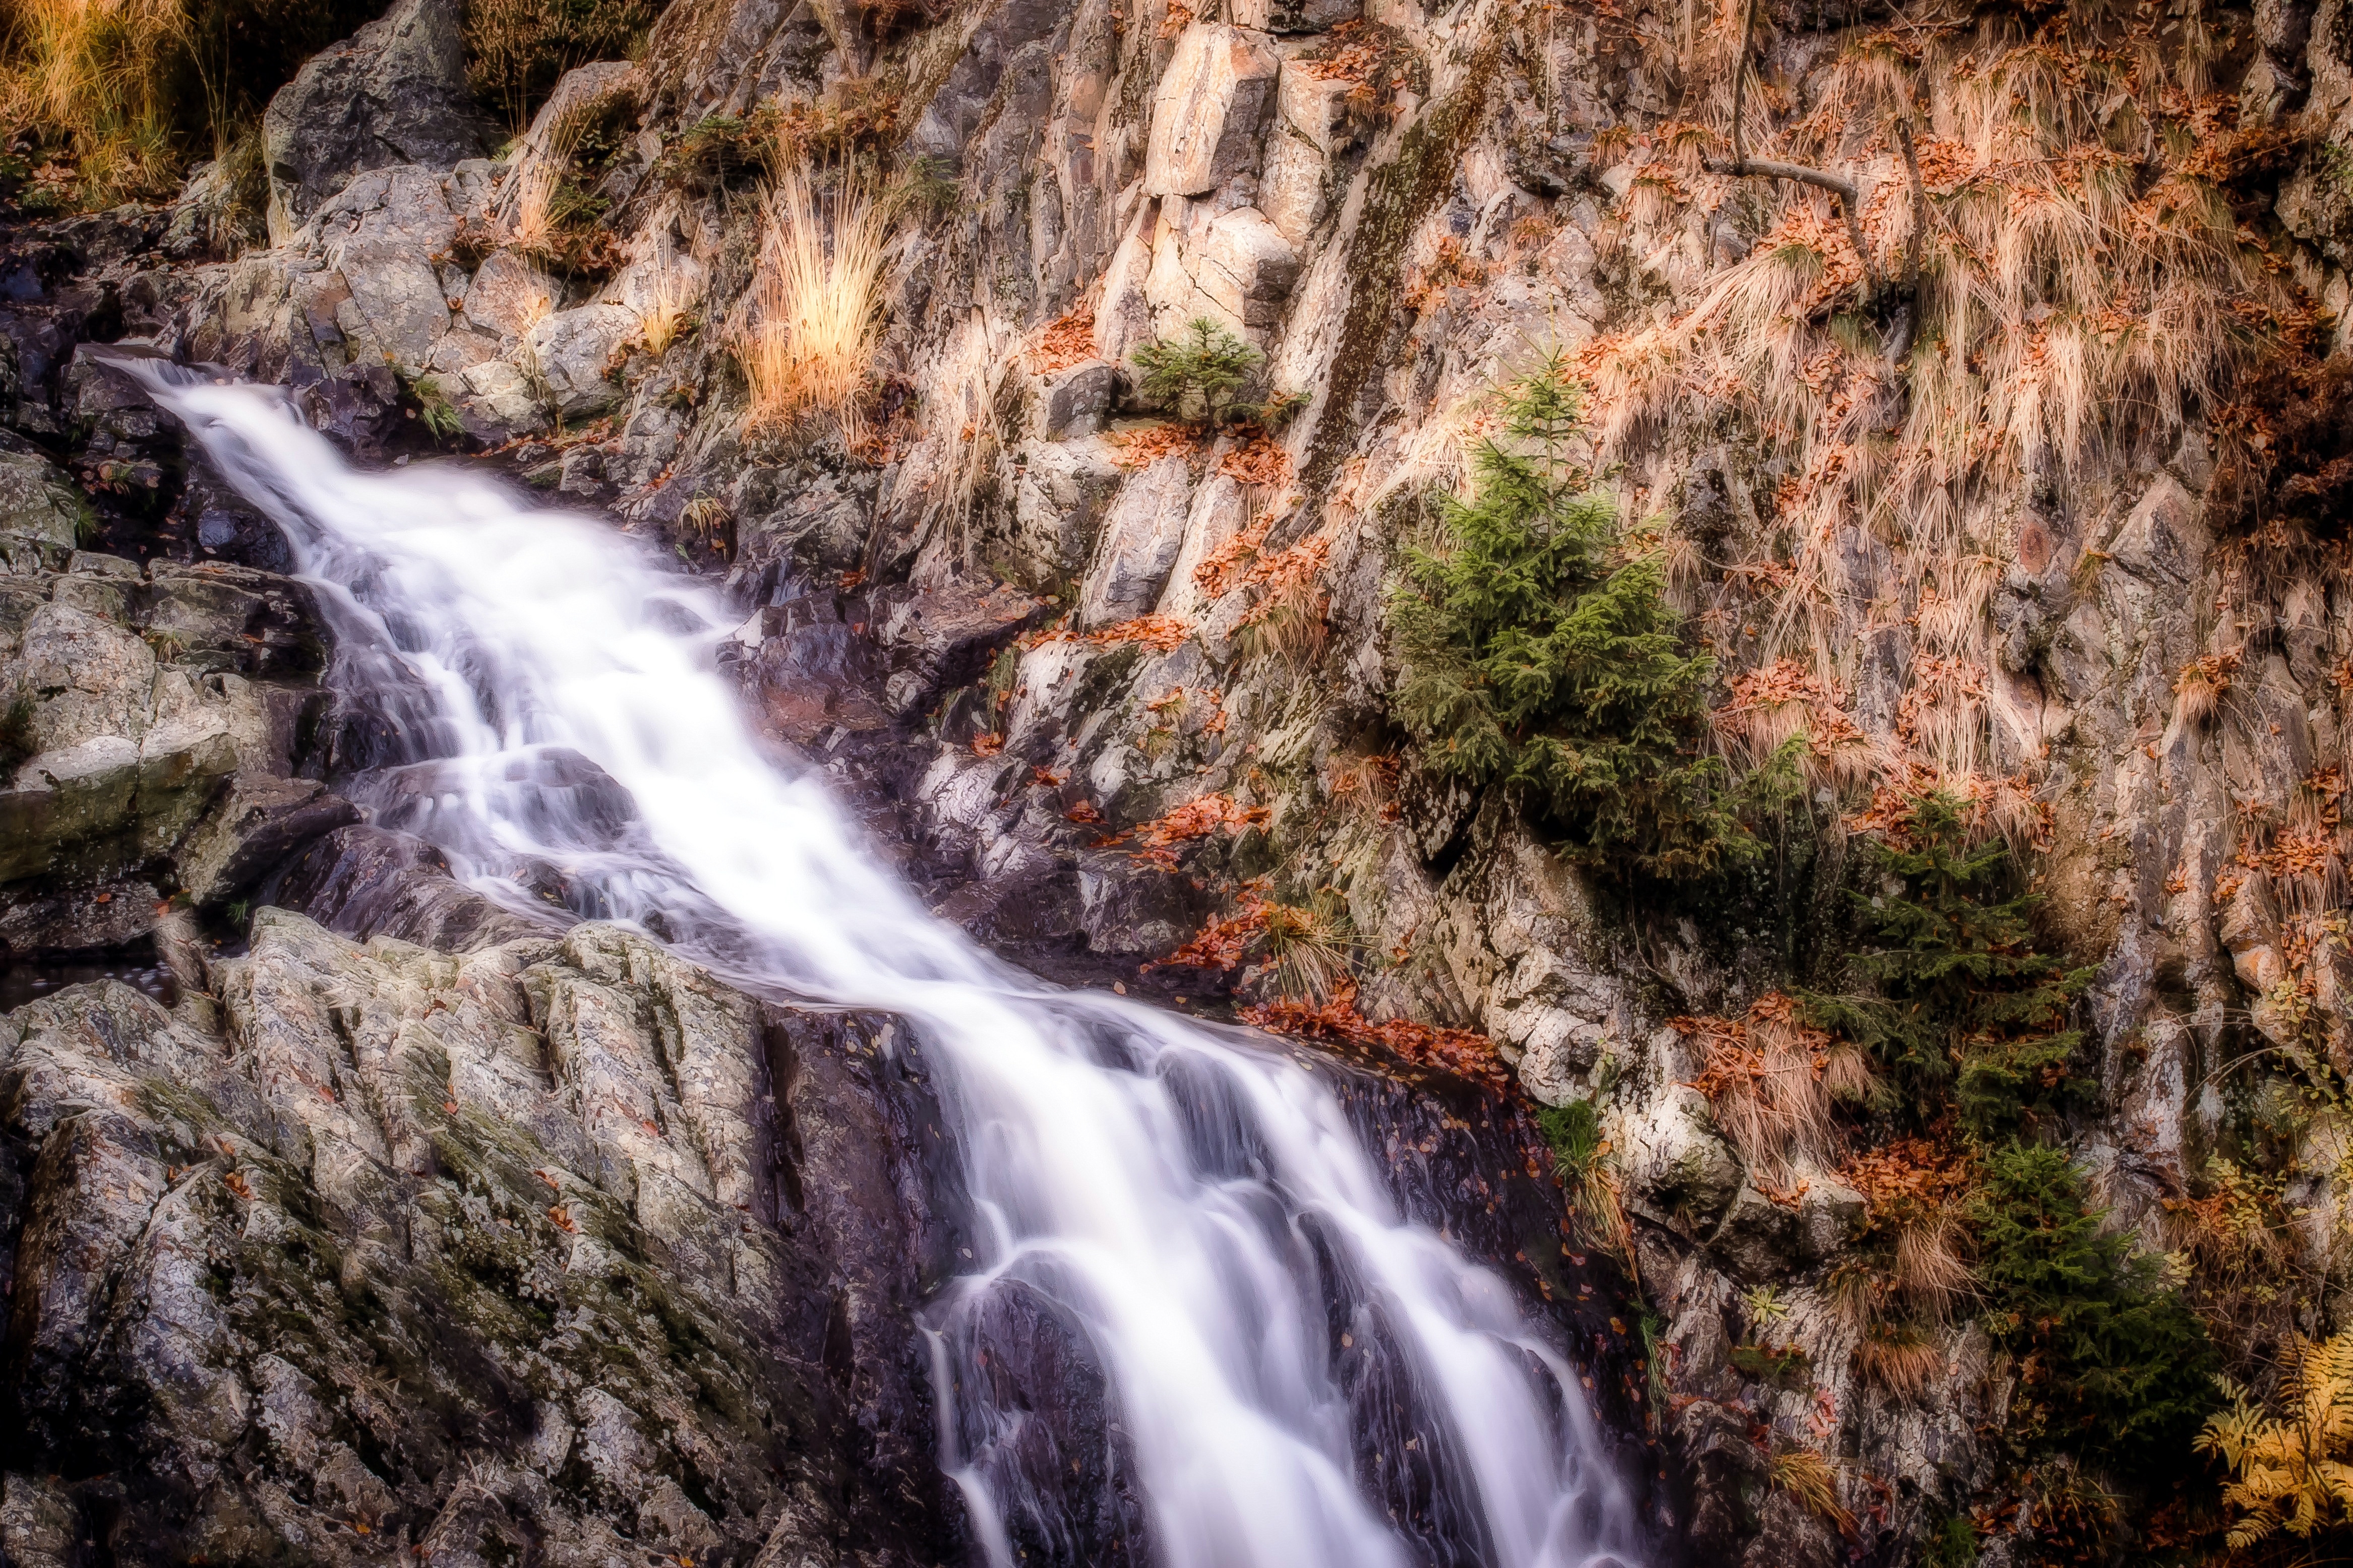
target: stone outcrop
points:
(161, 724)
(1398, 216)
(395, 93)
(552, 1250)
(1209, 111)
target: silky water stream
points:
(1193, 1204)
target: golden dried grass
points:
(816, 300)
(1930, 1274)
(1905, 1361)
(1813, 1481)
(1764, 1078)
(98, 72)
(672, 298)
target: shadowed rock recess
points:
(431, 1232)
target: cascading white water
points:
(1194, 1235)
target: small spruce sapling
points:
(1198, 374)
(1540, 654)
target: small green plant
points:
(2116, 1365)
(924, 187)
(1198, 374)
(1542, 656)
(1784, 1364)
(1573, 1132)
(2335, 161)
(1652, 1330)
(715, 152)
(1765, 1305)
(1580, 1156)
(1272, 412)
(434, 411)
(17, 737)
(1952, 1542)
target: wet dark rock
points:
(364, 881)
(816, 673)
(1055, 1446)
(942, 637)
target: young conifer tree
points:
(1197, 374)
(1539, 654)
(1966, 998)
(2115, 1364)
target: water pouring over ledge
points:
(1200, 1214)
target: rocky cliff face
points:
(1098, 674)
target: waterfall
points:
(1190, 1205)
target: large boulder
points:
(558, 1251)
(380, 234)
(152, 726)
(394, 92)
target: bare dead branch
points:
(1742, 166)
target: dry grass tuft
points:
(1365, 786)
(814, 301)
(1308, 947)
(531, 225)
(97, 72)
(1813, 1480)
(517, 50)
(1929, 1272)
(1306, 952)
(671, 300)
(1287, 618)
(1765, 1078)
(2083, 292)
(711, 520)
(1903, 1360)
(2202, 683)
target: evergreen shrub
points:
(1966, 999)
(1540, 653)
(2113, 1364)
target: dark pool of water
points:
(29, 976)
